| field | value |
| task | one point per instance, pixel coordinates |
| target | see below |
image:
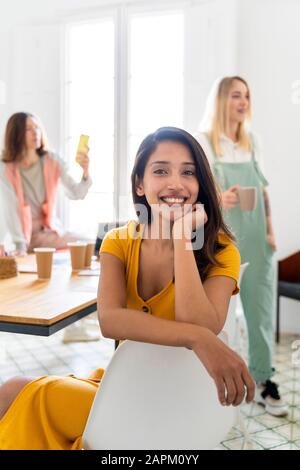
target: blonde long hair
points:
(219, 116)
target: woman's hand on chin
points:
(192, 218)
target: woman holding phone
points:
(235, 158)
(29, 177)
(170, 290)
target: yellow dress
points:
(50, 412)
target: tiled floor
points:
(266, 431)
(28, 355)
(33, 355)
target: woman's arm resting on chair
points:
(205, 304)
(228, 370)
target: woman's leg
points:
(9, 391)
(53, 409)
(69, 402)
(257, 295)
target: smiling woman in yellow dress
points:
(171, 291)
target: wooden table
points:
(31, 306)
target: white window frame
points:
(121, 12)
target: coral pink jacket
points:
(51, 176)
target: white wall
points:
(32, 46)
(268, 56)
(30, 51)
(35, 81)
(211, 34)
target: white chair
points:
(156, 397)
(160, 397)
(234, 328)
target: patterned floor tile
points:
(297, 443)
(9, 369)
(295, 411)
(220, 447)
(283, 389)
(289, 446)
(26, 361)
(290, 384)
(233, 434)
(270, 421)
(292, 372)
(252, 409)
(290, 431)
(292, 398)
(268, 439)
(240, 444)
(253, 425)
(60, 370)
(280, 358)
(34, 372)
(281, 379)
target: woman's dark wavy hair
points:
(207, 191)
(14, 140)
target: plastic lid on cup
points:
(44, 250)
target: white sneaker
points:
(267, 395)
(75, 333)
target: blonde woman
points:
(235, 158)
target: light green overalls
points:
(257, 287)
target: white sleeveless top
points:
(231, 151)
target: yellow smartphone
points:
(83, 143)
